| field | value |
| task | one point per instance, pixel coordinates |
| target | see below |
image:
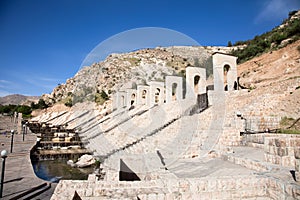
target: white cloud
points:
(5, 82)
(276, 10)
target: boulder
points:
(85, 161)
(71, 163)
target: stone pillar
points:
(297, 159)
(15, 117)
(170, 80)
(19, 123)
(219, 62)
(157, 93)
(114, 101)
(131, 97)
(195, 82)
(143, 95)
(121, 97)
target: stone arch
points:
(142, 95)
(174, 87)
(174, 91)
(226, 70)
(132, 101)
(222, 62)
(119, 99)
(195, 81)
(131, 96)
(156, 93)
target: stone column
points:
(19, 123)
(297, 162)
(114, 101)
(15, 117)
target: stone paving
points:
(19, 174)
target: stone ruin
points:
(155, 146)
(225, 78)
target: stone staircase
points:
(124, 132)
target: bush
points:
(262, 43)
(69, 102)
(286, 121)
(289, 131)
(229, 44)
(25, 110)
(10, 109)
(40, 105)
(101, 97)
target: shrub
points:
(262, 43)
(69, 102)
(40, 105)
(286, 121)
(289, 131)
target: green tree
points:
(25, 110)
(42, 104)
(229, 44)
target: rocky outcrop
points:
(127, 70)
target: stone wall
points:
(256, 140)
(281, 150)
(297, 159)
(237, 187)
(258, 123)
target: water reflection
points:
(55, 170)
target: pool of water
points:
(55, 170)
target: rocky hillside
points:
(127, 70)
(17, 99)
(276, 77)
(280, 36)
(273, 64)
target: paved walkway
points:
(19, 174)
(215, 167)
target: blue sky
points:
(44, 42)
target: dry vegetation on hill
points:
(275, 78)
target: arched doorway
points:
(174, 91)
(196, 84)
(144, 94)
(157, 93)
(132, 99)
(226, 70)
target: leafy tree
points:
(25, 110)
(229, 44)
